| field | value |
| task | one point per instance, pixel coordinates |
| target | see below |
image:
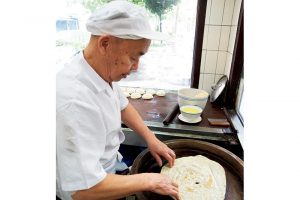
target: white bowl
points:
(192, 96)
(191, 112)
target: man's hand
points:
(158, 149)
(162, 184)
(133, 120)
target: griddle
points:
(233, 166)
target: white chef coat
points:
(88, 127)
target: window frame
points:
(198, 43)
(235, 76)
(237, 64)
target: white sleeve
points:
(80, 142)
(123, 99)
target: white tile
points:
(210, 62)
(205, 35)
(216, 12)
(221, 63)
(207, 14)
(213, 38)
(203, 57)
(228, 64)
(232, 39)
(228, 12)
(236, 12)
(224, 40)
(208, 81)
(200, 86)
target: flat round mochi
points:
(151, 91)
(130, 90)
(198, 178)
(135, 95)
(140, 90)
(147, 96)
(161, 93)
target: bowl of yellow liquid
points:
(191, 112)
(192, 96)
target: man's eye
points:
(133, 59)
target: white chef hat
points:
(123, 20)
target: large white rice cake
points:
(198, 178)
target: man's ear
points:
(103, 43)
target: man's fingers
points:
(173, 155)
(169, 159)
(175, 184)
(158, 159)
(174, 194)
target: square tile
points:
(224, 40)
(228, 12)
(228, 64)
(221, 63)
(200, 86)
(216, 12)
(208, 81)
(232, 39)
(207, 14)
(213, 38)
(203, 57)
(236, 12)
(205, 35)
(210, 62)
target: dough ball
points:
(130, 90)
(140, 90)
(150, 91)
(135, 95)
(126, 94)
(161, 93)
(147, 96)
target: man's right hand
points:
(162, 184)
(110, 187)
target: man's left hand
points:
(158, 149)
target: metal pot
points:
(233, 165)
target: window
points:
(67, 24)
(167, 65)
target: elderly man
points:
(91, 106)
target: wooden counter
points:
(157, 109)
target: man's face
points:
(124, 57)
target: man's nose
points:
(135, 66)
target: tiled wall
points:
(218, 42)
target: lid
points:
(218, 88)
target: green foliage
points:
(160, 7)
(138, 2)
(157, 7)
(93, 4)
